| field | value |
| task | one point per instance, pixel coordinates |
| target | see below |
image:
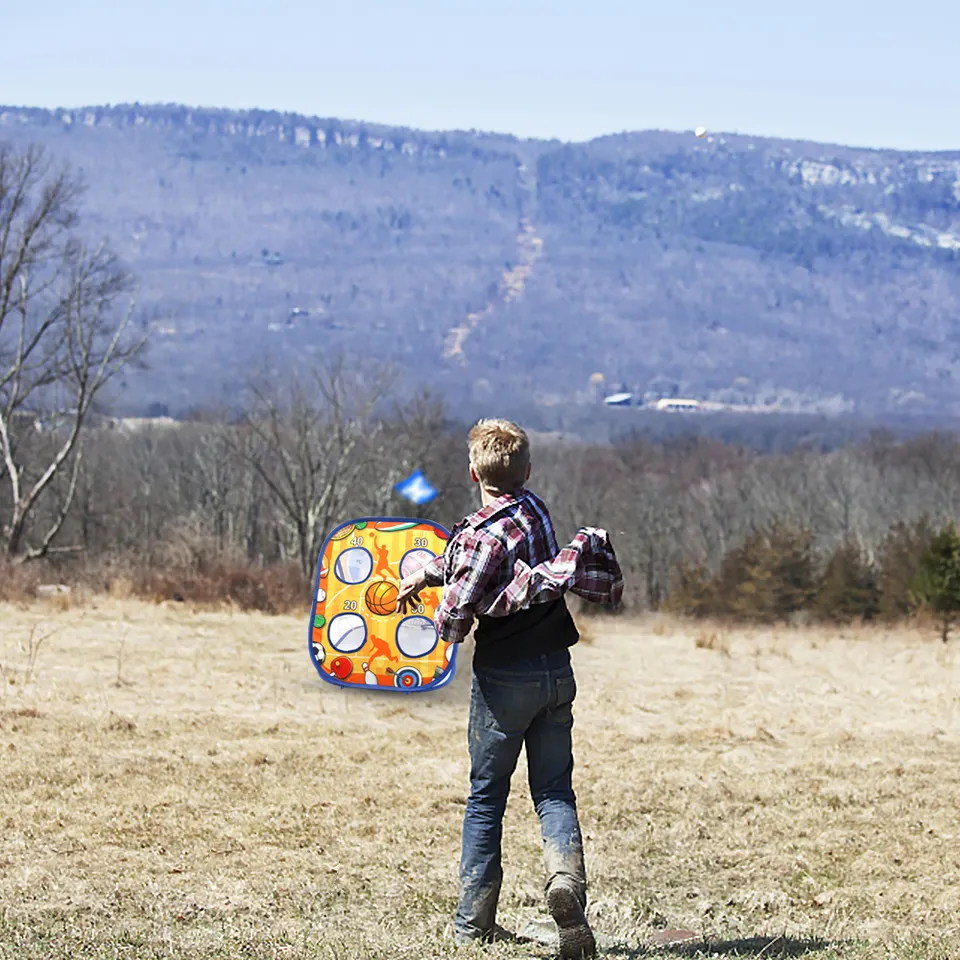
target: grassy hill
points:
(507, 272)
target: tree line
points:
(705, 528)
(701, 527)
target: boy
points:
(502, 567)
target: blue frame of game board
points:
(447, 674)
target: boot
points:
(576, 937)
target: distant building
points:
(676, 404)
(134, 424)
(619, 400)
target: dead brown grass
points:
(717, 640)
(18, 582)
(210, 583)
(178, 782)
(277, 589)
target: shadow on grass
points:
(770, 948)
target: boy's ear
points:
(529, 468)
(473, 474)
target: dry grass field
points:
(179, 783)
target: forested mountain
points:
(508, 272)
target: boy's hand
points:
(410, 588)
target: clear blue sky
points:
(879, 73)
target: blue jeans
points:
(527, 702)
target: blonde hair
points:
(500, 455)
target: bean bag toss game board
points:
(357, 639)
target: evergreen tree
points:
(847, 588)
(899, 558)
(937, 584)
(772, 576)
(691, 593)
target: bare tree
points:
(416, 435)
(304, 440)
(61, 341)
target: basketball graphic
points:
(381, 598)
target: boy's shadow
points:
(766, 947)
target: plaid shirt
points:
(504, 558)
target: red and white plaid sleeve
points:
(433, 572)
(587, 566)
(471, 561)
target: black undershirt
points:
(542, 628)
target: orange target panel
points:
(357, 637)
